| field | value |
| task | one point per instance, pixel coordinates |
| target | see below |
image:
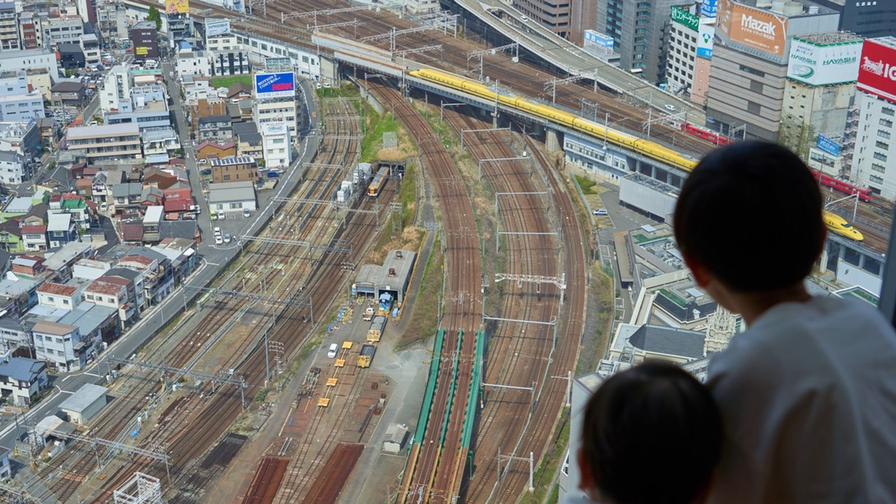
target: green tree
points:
(155, 15)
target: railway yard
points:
(514, 309)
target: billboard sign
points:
(275, 85)
(215, 27)
(684, 17)
(753, 27)
(141, 50)
(828, 145)
(598, 39)
(177, 6)
(823, 65)
(704, 40)
(708, 8)
(877, 70)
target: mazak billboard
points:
(275, 85)
(877, 70)
(823, 64)
(753, 27)
(684, 17)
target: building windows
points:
(882, 145)
(756, 86)
(878, 167)
(876, 179)
(886, 122)
(753, 108)
(888, 111)
(883, 133)
(880, 157)
(753, 71)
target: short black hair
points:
(652, 435)
(751, 214)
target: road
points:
(213, 260)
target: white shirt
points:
(808, 397)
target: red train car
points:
(707, 135)
(842, 186)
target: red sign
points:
(877, 70)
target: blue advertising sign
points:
(709, 8)
(275, 85)
(828, 145)
(599, 39)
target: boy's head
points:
(651, 434)
(751, 215)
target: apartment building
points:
(9, 33)
(105, 143)
(17, 102)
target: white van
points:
(334, 348)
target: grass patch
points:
(373, 140)
(544, 476)
(425, 317)
(347, 91)
(219, 82)
(593, 348)
(586, 184)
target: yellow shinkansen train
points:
(647, 148)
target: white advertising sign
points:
(823, 65)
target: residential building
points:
(13, 334)
(59, 296)
(12, 168)
(34, 237)
(30, 58)
(209, 149)
(105, 143)
(20, 136)
(874, 133)
(87, 10)
(193, 62)
(160, 142)
(69, 94)
(90, 46)
(230, 197)
(126, 198)
(229, 63)
(638, 29)
(11, 237)
(231, 169)
(71, 57)
(133, 282)
(275, 144)
(39, 79)
(112, 293)
(72, 205)
(58, 344)
(61, 30)
(145, 40)
(215, 128)
(147, 107)
(21, 379)
(61, 229)
(112, 21)
(28, 27)
(17, 101)
(749, 67)
(116, 89)
(63, 261)
(9, 33)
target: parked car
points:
(334, 348)
(247, 213)
(228, 238)
(219, 240)
(600, 211)
(217, 231)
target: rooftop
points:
(57, 289)
(103, 286)
(83, 398)
(113, 130)
(54, 328)
(22, 369)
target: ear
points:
(701, 275)
(586, 478)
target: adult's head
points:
(651, 435)
(751, 215)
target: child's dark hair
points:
(652, 435)
(751, 214)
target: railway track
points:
(111, 424)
